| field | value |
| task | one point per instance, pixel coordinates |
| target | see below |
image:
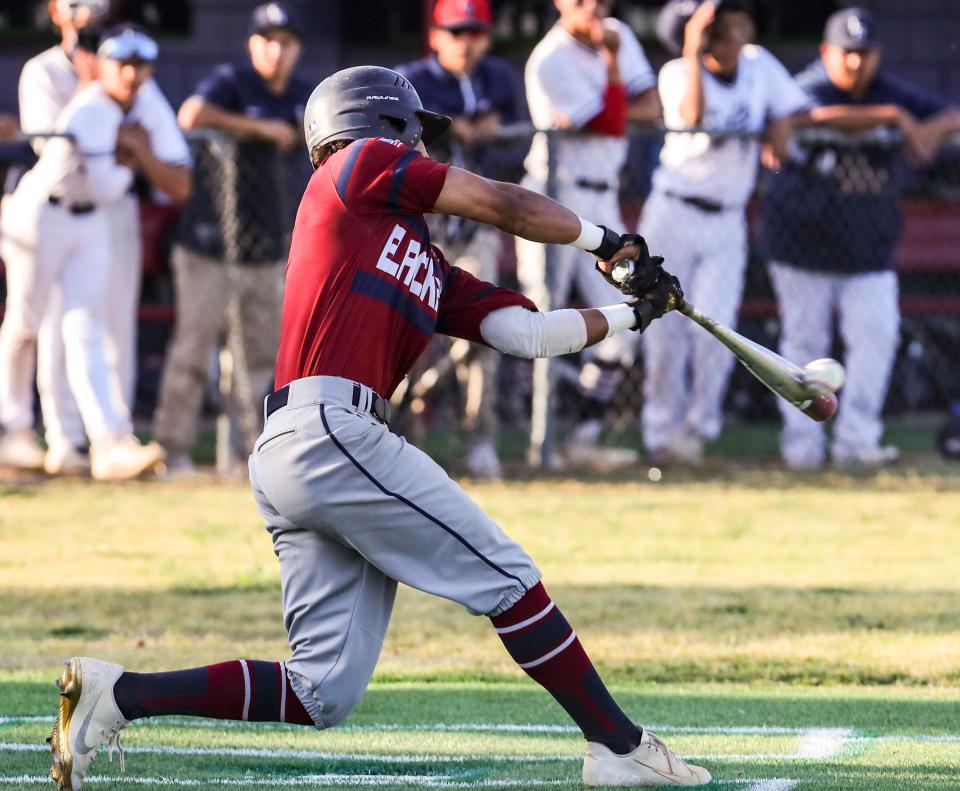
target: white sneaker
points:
(178, 467)
(685, 448)
(20, 448)
(123, 459)
(868, 456)
(651, 764)
(598, 457)
(88, 719)
(65, 460)
(482, 462)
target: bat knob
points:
(822, 408)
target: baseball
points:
(621, 269)
(825, 375)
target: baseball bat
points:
(777, 373)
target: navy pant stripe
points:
(414, 506)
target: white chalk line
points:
(821, 744)
(518, 728)
(779, 784)
(392, 758)
(427, 781)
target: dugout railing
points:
(541, 398)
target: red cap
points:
(462, 14)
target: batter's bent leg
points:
(336, 606)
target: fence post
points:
(542, 424)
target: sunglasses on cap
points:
(128, 45)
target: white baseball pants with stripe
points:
(53, 254)
(353, 510)
(686, 368)
(868, 319)
(61, 415)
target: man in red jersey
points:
(351, 507)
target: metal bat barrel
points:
(779, 374)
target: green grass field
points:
(787, 631)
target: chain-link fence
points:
(849, 250)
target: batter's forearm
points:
(529, 334)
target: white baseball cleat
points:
(20, 448)
(866, 456)
(123, 459)
(87, 721)
(598, 457)
(652, 763)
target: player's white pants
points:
(868, 319)
(61, 415)
(550, 291)
(708, 253)
(50, 252)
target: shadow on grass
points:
(722, 620)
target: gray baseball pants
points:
(353, 510)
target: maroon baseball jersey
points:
(365, 289)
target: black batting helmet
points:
(369, 101)
(675, 14)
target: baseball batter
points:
(589, 74)
(351, 507)
(695, 213)
(56, 233)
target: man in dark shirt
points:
(831, 224)
(479, 92)
(233, 237)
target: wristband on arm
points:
(597, 239)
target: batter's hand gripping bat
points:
(810, 389)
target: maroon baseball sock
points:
(242, 689)
(542, 642)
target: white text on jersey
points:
(408, 269)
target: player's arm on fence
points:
(198, 113)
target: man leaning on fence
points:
(231, 246)
(831, 223)
(480, 92)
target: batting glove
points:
(665, 296)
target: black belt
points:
(379, 407)
(596, 186)
(73, 208)
(704, 204)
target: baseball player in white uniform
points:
(55, 235)
(589, 73)
(47, 83)
(695, 213)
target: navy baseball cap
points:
(852, 29)
(273, 16)
(673, 18)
